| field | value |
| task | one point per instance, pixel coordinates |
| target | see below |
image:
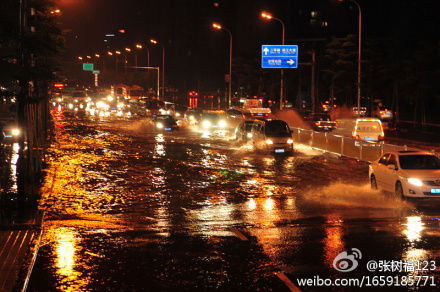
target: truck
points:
(135, 92)
(253, 108)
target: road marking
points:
(292, 287)
(238, 234)
(93, 254)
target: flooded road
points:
(130, 209)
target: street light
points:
(80, 58)
(163, 66)
(269, 16)
(219, 27)
(359, 55)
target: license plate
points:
(8, 136)
(435, 191)
(167, 129)
(260, 114)
(369, 138)
(279, 150)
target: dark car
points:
(9, 131)
(244, 131)
(321, 122)
(165, 123)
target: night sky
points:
(197, 55)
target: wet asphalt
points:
(128, 208)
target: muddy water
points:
(128, 208)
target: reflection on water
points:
(14, 159)
(414, 228)
(333, 243)
(65, 244)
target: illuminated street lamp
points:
(359, 55)
(154, 42)
(110, 53)
(88, 57)
(117, 52)
(219, 27)
(128, 49)
(269, 16)
(97, 55)
(80, 58)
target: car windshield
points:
(368, 126)
(211, 117)
(419, 162)
(277, 129)
(79, 94)
(249, 126)
(164, 117)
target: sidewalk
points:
(18, 241)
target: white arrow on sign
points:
(266, 50)
(290, 62)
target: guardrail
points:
(342, 145)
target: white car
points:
(414, 174)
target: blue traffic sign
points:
(279, 56)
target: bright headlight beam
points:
(415, 181)
(290, 141)
(206, 124)
(15, 132)
(222, 124)
(159, 125)
(268, 141)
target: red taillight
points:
(356, 137)
(381, 137)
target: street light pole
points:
(163, 72)
(269, 17)
(359, 58)
(219, 27)
(163, 66)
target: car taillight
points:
(356, 136)
(381, 137)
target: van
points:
(364, 129)
(272, 135)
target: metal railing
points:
(342, 145)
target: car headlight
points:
(70, 106)
(206, 124)
(159, 125)
(249, 135)
(15, 132)
(222, 124)
(110, 98)
(415, 181)
(177, 114)
(76, 100)
(168, 112)
(81, 106)
(191, 118)
(268, 141)
(290, 141)
(59, 100)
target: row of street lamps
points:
(269, 16)
(138, 46)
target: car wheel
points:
(373, 182)
(399, 191)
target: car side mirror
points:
(392, 167)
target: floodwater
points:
(131, 209)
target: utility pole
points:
(312, 91)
